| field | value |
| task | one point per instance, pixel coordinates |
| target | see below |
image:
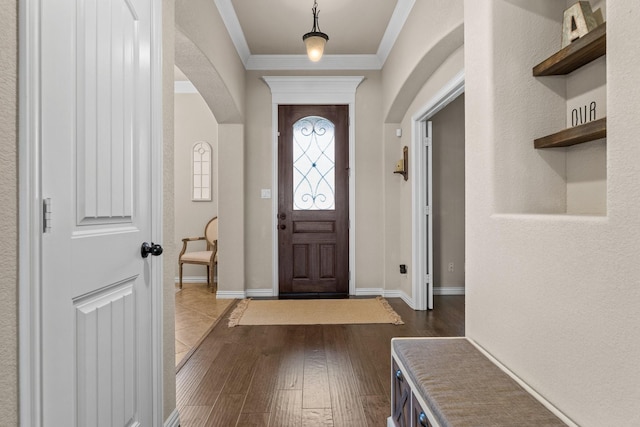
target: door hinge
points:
(46, 215)
(278, 133)
(427, 279)
(427, 210)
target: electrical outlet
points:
(450, 267)
(403, 269)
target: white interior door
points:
(97, 290)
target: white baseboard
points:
(173, 420)
(369, 291)
(231, 295)
(191, 279)
(258, 293)
(267, 292)
(386, 294)
(395, 294)
(448, 290)
(406, 298)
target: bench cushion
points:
(464, 388)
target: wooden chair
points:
(208, 257)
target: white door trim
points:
(30, 202)
(422, 295)
(30, 209)
(314, 90)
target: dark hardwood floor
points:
(319, 375)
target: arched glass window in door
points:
(314, 164)
(201, 171)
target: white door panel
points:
(104, 337)
(107, 90)
(96, 169)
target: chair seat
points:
(208, 257)
(200, 256)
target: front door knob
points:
(150, 248)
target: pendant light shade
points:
(315, 39)
(315, 42)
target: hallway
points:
(318, 375)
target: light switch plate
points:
(265, 193)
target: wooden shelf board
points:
(575, 135)
(582, 51)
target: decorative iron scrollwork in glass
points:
(314, 163)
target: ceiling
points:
(268, 34)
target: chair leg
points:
(208, 277)
(180, 275)
(214, 272)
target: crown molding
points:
(230, 19)
(301, 62)
(399, 17)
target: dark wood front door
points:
(313, 200)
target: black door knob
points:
(150, 248)
(282, 226)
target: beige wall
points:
(554, 297)
(219, 75)
(194, 122)
(432, 32)
(231, 210)
(392, 210)
(448, 195)
(258, 174)
(201, 22)
(586, 173)
(8, 214)
(369, 175)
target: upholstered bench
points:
(441, 382)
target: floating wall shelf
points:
(575, 135)
(582, 51)
(591, 46)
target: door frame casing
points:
(313, 90)
(30, 280)
(423, 296)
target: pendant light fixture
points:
(316, 39)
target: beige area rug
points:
(314, 312)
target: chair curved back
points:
(211, 232)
